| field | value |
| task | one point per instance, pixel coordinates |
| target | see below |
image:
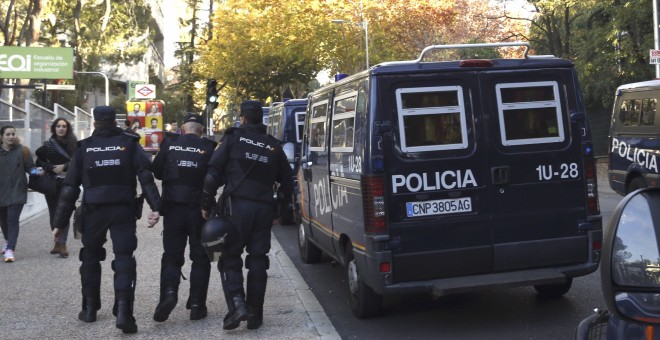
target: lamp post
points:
(364, 26)
(107, 84)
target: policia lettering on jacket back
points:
(181, 164)
(443, 176)
(108, 165)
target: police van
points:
(447, 176)
(634, 143)
(286, 121)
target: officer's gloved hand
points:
(153, 218)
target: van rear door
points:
(537, 183)
(485, 172)
(436, 169)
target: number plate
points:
(439, 207)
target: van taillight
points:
(373, 200)
(592, 188)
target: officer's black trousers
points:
(253, 221)
(119, 219)
(183, 224)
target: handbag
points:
(45, 184)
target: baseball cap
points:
(251, 107)
(193, 117)
(104, 113)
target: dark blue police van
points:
(286, 121)
(634, 143)
(441, 177)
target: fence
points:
(33, 122)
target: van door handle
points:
(500, 175)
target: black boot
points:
(125, 319)
(197, 302)
(89, 308)
(166, 304)
(255, 317)
(237, 313)
(197, 306)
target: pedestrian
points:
(16, 161)
(181, 164)
(128, 128)
(106, 165)
(175, 127)
(54, 156)
(249, 162)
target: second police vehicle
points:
(634, 142)
(444, 176)
(286, 121)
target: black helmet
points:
(216, 233)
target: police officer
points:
(181, 164)
(248, 162)
(107, 164)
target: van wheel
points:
(364, 301)
(309, 252)
(555, 289)
(634, 184)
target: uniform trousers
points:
(253, 222)
(182, 223)
(119, 219)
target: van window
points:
(629, 112)
(432, 118)
(274, 123)
(530, 113)
(343, 122)
(300, 125)
(648, 111)
(317, 126)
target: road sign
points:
(60, 87)
(145, 91)
(655, 57)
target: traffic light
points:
(211, 93)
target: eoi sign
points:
(36, 62)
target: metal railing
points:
(33, 122)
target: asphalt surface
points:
(40, 295)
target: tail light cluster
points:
(373, 199)
(592, 188)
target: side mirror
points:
(630, 271)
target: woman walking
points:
(54, 156)
(16, 162)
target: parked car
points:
(630, 272)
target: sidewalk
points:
(40, 295)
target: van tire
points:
(309, 252)
(364, 301)
(554, 290)
(634, 184)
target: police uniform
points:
(106, 165)
(181, 164)
(248, 162)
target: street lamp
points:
(107, 84)
(364, 26)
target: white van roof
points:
(643, 85)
